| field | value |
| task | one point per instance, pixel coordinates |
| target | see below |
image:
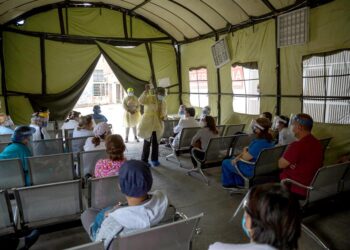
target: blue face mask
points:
(245, 229)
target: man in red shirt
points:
(302, 158)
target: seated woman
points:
(72, 121)
(115, 148)
(229, 177)
(143, 209)
(84, 128)
(101, 131)
(4, 129)
(97, 116)
(201, 139)
(271, 220)
(285, 136)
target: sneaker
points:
(155, 163)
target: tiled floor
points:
(191, 196)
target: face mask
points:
(130, 94)
(160, 97)
(245, 229)
(202, 124)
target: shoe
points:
(31, 238)
(137, 139)
(155, 163)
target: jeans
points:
(146, 148)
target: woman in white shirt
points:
(72, 121)
(101, 131)
(84, 129)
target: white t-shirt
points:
(248, 246)
(82, 133)
(71, 124)
(37, 134)
(89, 146)
(189, 122)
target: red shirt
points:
(305, 157)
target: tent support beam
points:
(125, 27)
(278, 73)
(178, 68)
(60, 16)
(43, 66)
(3, 77)
(219, 87)
(150, 58)
(140, 5)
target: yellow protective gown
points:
(132, 113)
(153, 116)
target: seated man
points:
(188, 122)
(302, 158)
(143, 210)
(19, 148)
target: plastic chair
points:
(11, 174)
(7, 224)
(47, 147)
(88, 160)
(233, 129)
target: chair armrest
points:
(247, 162)
(284, 181)
(239, 172)
(199, 150)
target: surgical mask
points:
(202, 124)
(160, 97)
(130, 94)
(245, 229)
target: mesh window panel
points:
(198, 84)
(51, 168)
(327, 78)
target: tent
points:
(49, 50)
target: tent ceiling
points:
(182, 19)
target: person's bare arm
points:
(283, 163)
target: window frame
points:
(245, 95)
(198, 93)
(326, 100)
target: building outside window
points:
(199, 87)
(98, 75)
(245, 87)
(326, 87)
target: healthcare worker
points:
(132, 113)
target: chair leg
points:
(175, 157)
(313, 236)
(200, 171)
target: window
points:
(98, 75)
(245, 87)
(326, 87)
(199, 86)
(100, 89)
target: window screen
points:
(199, 87)
(98, 75)
(326, 87)
(100, 89)
(245, 87)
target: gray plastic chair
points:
(3, 145)
(218, 149)
(97, 245)
(51, 125)
(104, 192)
(68, 133)
(88, 160)
(232, 129)
(173, 236)
(5, 138)
(221, 129)
(265, 165)
(169, 128)
(184, 143)
(47, 147)
(241, 141)
(76, 144)
(7, 224)
(11, 174)
(51, 168)
(49, 204)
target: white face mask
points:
(130, 94)
(160, 97)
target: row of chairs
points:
(48, 204)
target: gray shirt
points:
(204, 135)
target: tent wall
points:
(257, 44)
